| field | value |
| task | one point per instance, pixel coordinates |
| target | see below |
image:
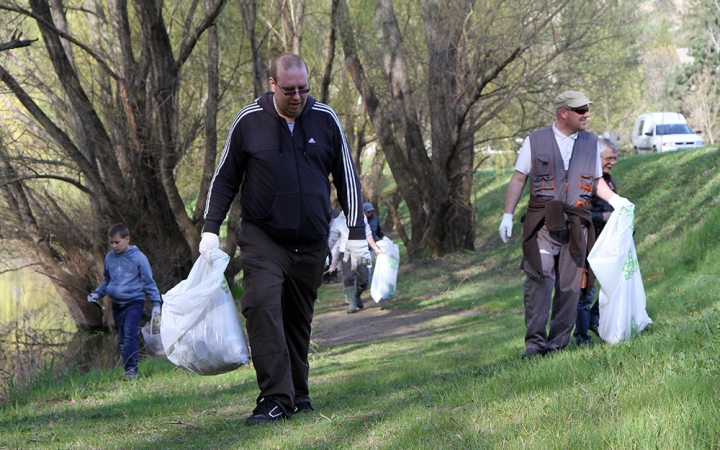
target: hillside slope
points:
(455, 381)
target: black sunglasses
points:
(291, 93)
(581, 111)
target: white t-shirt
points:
(565, 143)
(291, 125)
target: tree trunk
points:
(212, 103)
(249, 13)
(393, 201)
(330, 57)
(16, 196)
(382, 124)
(427, 113)
(292, 16)
(118, 147)
(371, 178)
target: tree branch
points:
(75, 183)
(187, 49)
(63, 35)
(16, 42)
(61, 139)
(393, 213)
(15, 269)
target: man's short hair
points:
(288, 61)
(605, 143)
(119, 228)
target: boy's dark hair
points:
(119, 228)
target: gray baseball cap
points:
(572, 99)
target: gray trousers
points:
(562, 272)
(359, 276)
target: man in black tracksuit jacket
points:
(280, 151)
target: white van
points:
(663, 132)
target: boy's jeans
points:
(127, 319)
(587, 315)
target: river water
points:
(26, 294)
(38, 335)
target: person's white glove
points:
(356, 250)
(506, 228)
(618, 202)
(93, 298)
(208, 243)
(155, 310)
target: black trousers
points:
(279, 300)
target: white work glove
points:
(506, 228)
(618, 202)
(93, 298)
(208, 243)
(356, 250)
(155, 310)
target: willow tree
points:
(433, 74)
(702, 76)
(99, 114)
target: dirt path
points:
(373, 323)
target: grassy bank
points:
(460, 382)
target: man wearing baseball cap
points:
(563, 165)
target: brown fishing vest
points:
(548, 178)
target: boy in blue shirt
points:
(127, 278)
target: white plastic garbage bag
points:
(384, 277)
(201, 329)
(152, 338)
(622, 296)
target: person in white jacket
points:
(355, 281)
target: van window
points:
(641, 127)
(674, 128)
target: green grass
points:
(461, 384)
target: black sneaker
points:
(302, 407)
(267, 411)
(529, 353)
(594, 328)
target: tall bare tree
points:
(702, 21)
(114, 128)
(107, 106)
(429, 95)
